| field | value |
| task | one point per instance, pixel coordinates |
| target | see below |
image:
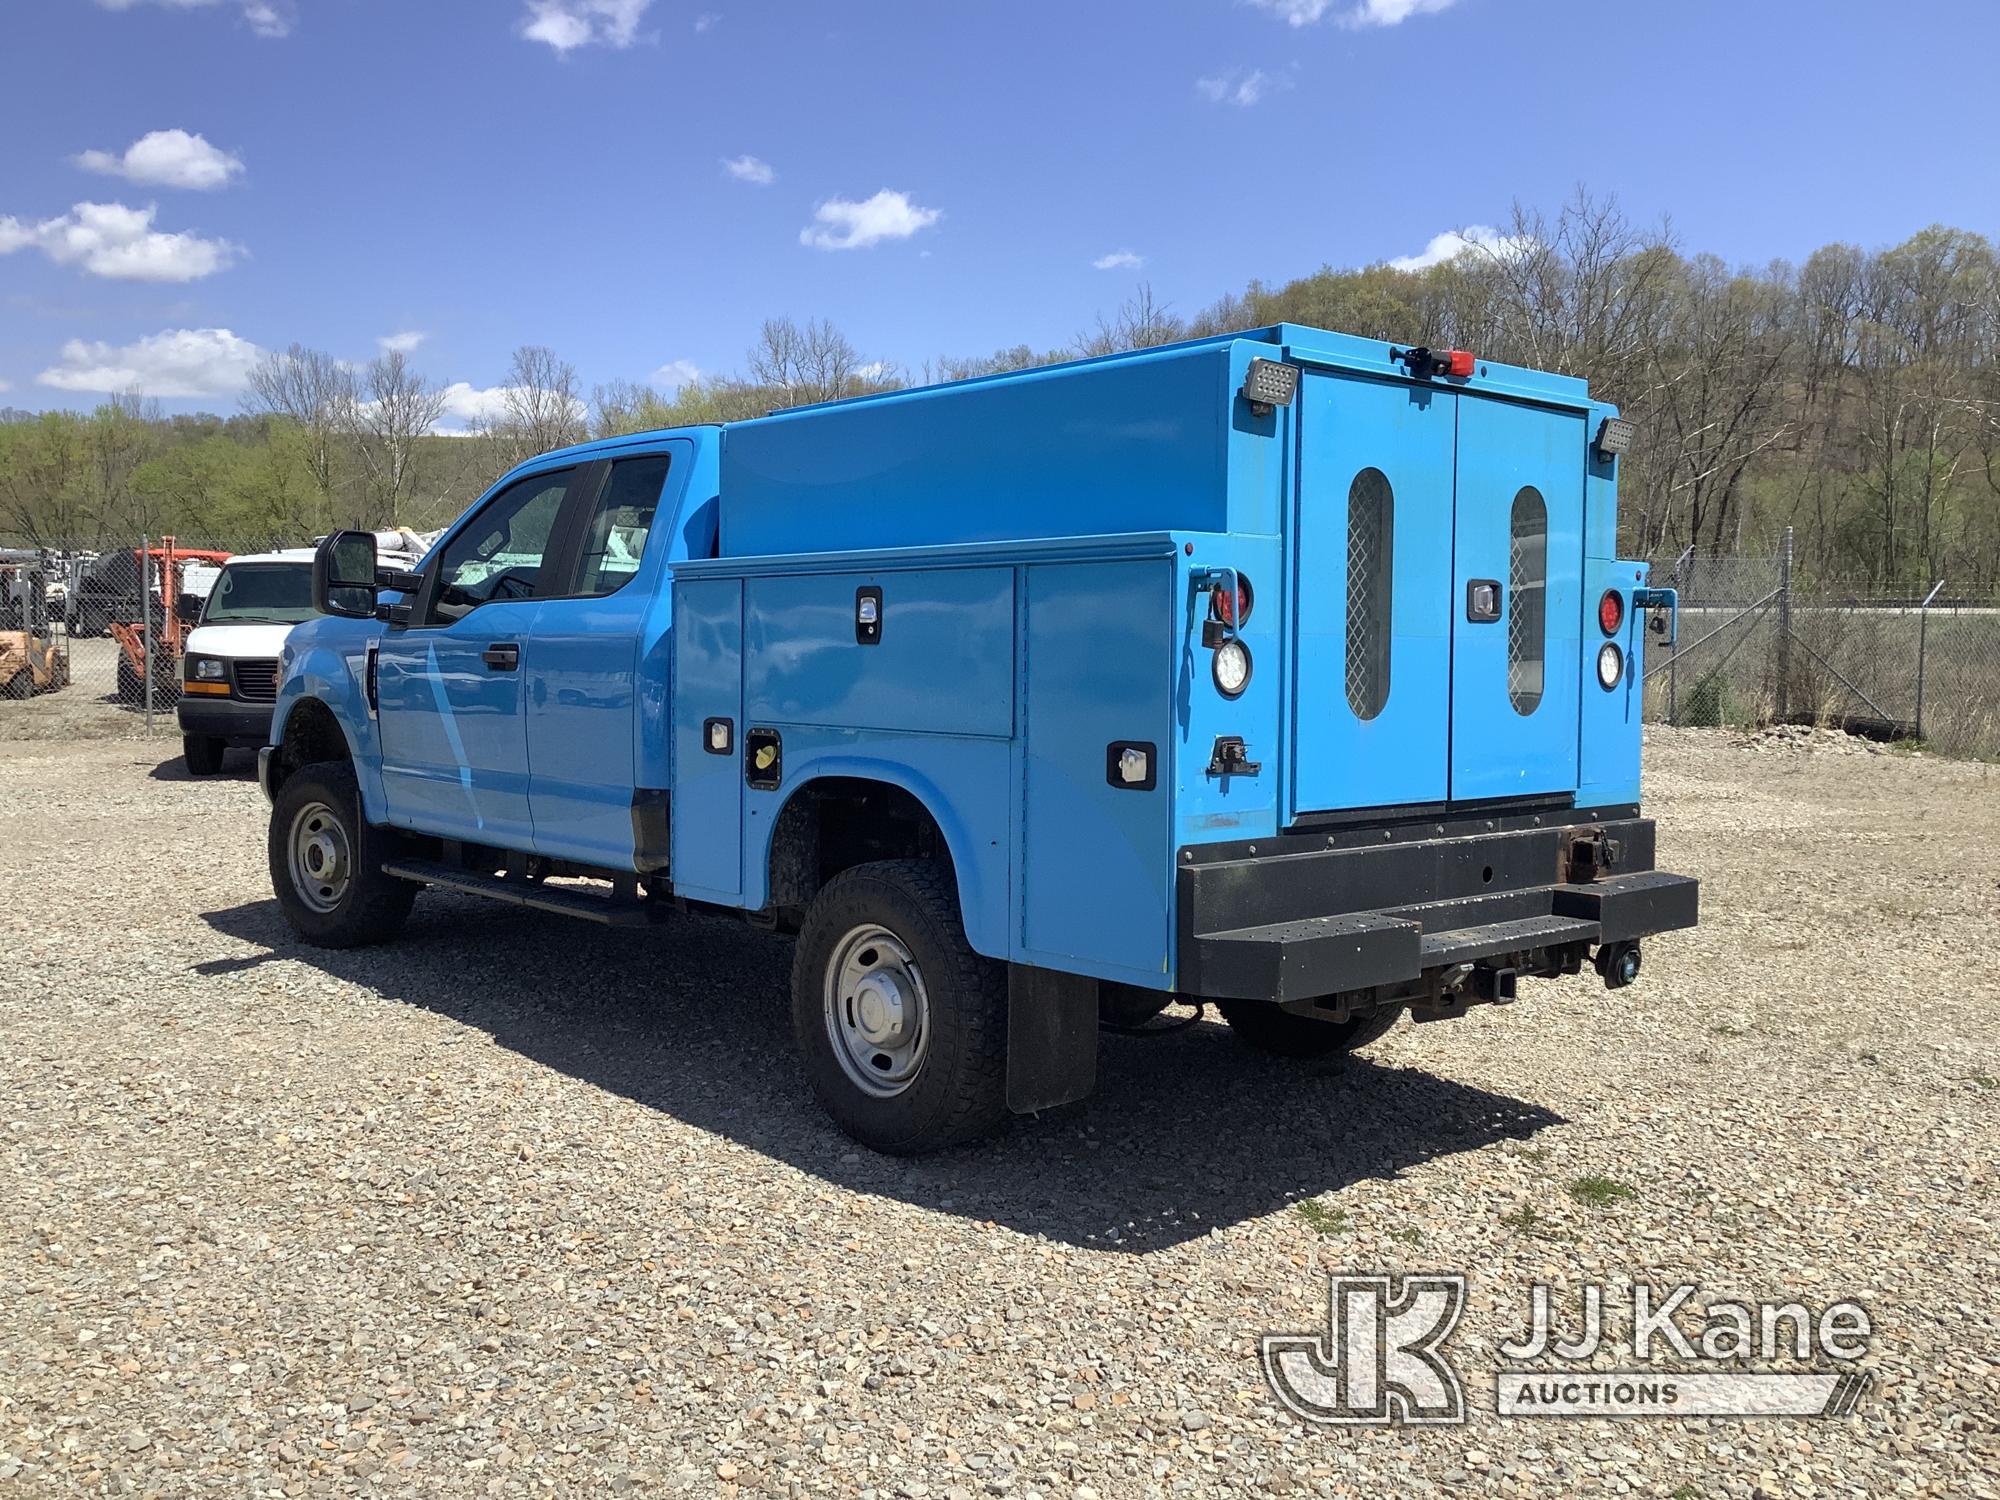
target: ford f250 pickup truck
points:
(1288, 671)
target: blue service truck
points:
(1285, 670)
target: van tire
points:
(1260, 1024)
(956, 1090)
(320, 804)
(203, 753)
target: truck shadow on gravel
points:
(1187, 1132)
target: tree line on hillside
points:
(1854, 398)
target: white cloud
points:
(401, 343)
(706, 21)
(1240, 87)
(109, 239)
(1362, 13)
(272, 18)
(568, 24)
(1453, 243)
(6, 385)
(840, 224)
(749, 169)
(676, 373)
(1119, 260)
(182, 362)
(473, 406)
(875, 369)
(167, 158)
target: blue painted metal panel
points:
(326, 659)
(1608, 729)
(1342, 760)
(1106, 447)
(454, 740)
(1496, 749)
(584, 682)
(1097, 859)
(944, 661)
(964, 782)
(1208, 809)
(707, 804)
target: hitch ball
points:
(1618, 963)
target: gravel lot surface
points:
(519, 1207)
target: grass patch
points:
(1320, 1218)
(1985, 1081)
(1599, 1192)
(1684, 1492)
(1409, 1234)
(1524, 1220)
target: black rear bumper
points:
(1384, 910)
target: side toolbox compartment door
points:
(706, 810)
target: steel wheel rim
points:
(877, 1011)
(321, 860)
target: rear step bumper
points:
(1300, 918)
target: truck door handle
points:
(502, 656)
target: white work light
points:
(1269, 384)
(1614, 437)
(1232, 668)
(1610, 665)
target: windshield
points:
(261, 593)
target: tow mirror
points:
(343, 577)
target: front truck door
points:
(583, 667)
(1517, 600)
(1372, 707)
(449, 682)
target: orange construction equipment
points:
(162, 566)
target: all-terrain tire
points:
(958, 1091)
(1259, 1024)
(202, 753)
(321, 805)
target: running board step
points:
(1465, 945)
(607, 910)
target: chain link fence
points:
(91, 637)
(1758, 646)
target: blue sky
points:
(185, 182)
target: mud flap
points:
(1051, 1038)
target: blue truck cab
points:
(1286, 670)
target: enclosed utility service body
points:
(1288, 670)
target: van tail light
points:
(1232, 610)
(1611, 611)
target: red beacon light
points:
(1458, 363)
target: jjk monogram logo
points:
(1378, 1360)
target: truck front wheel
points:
(1259, 1024)
(901, 1026)
(326, 862)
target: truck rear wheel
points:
(326, 862)
(901, 1026)
(1259, 1024)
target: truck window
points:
(614, 539)
(261, 594)
(1527, 599)
(499, 553)
(1371, 530)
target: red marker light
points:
(1611, 611)
(1231, 611)
(1458, 363)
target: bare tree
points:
(1141, 322)
(386, 412)
(806, 362)
(310, 388)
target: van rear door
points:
(1438, 608)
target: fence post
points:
(1923, 631)
(1785, 628)
(146, 623)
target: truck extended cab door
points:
(449, 680)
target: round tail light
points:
(1232, 611)
(1611, 611)
(1231, 668)
(1610, 665)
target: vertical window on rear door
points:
(614, 538)
(1371, 530)
(1527, 599)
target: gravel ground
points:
(519, 1207)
